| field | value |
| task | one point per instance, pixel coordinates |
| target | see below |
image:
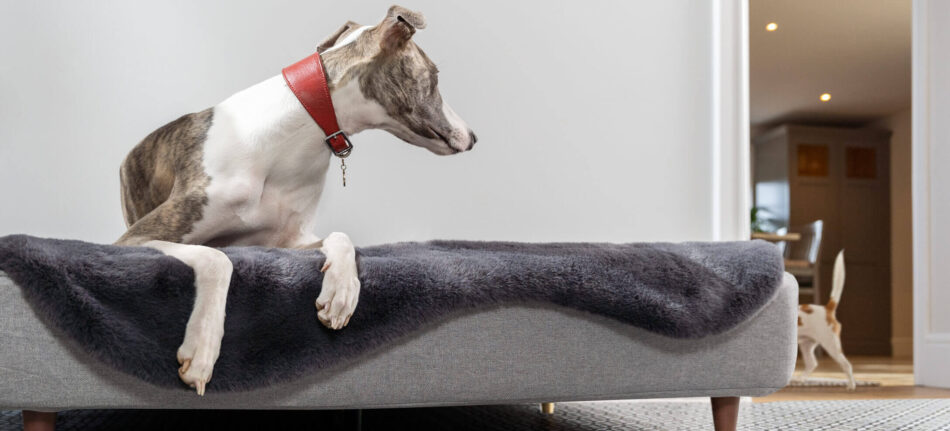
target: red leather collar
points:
(307, 79)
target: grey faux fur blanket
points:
(128, 306)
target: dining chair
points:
(803, 259)
(782, 245)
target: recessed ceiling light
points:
(771, 26)
(825, 97)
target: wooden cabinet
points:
(802, 174)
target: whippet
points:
(250, 171)
(818, 326)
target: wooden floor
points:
(895, 375)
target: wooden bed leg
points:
(39, 421)
(547, 408)
(725, 413)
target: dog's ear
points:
(399, 26)
(411, 18)
(331, 40)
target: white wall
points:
(902, 253)
(594, 117)
(931, 185)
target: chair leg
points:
(725, 413)
(547, 408)
(39, 421)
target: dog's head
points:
(391, 70)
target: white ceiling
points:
(857, 50)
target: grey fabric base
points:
(504, 354)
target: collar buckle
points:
(347, 148)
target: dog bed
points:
(128, 306)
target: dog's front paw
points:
(339, 294)
(197, 356)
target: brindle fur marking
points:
(163, 181)
(404, 81)
(402, 105)
(339, 34)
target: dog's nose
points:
(472, 141)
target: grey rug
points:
(128, 306)
(890, 415)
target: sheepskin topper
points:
(128, 306)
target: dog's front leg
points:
(341, 284)
(202, 343)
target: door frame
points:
(931, 346)
(731, 185)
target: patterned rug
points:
(625, 415)
(828, 382)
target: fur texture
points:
(128, 306)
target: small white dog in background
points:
(819, 326)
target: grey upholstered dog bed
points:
(500, 354)
(128, 306)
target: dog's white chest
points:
(265, 181)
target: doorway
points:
(830, 127)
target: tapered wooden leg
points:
(349, 420)
(39, 421)
(725, 413)
(354, 420)
(547, 408)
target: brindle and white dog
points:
(250, 171)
